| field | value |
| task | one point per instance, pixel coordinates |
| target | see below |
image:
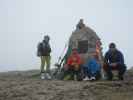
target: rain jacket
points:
(93, 66)
(74, 59)
(44, 49)
(116, 57)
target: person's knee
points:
(122, 68)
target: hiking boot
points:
(86, 79)
(92, 78)
(48, 76)
(42, 76)
(67, 77)
(121, 78)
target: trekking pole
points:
(61, 56)
(59, 62)
(60, 59)
(63, 51)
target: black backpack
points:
(39, 49)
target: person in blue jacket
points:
(114, 60)
(92, 68)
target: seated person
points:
(114, 60)
(72, 68)
(92, 68)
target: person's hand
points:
(113, 64)
(76, 67)
(73, 64)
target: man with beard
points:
(114, 60)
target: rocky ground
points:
(23, 86)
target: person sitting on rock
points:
(73, 66)
(92, 68)
(114, 60)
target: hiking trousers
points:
(45, 64)
(73, 72)
(120, 68)
(89, 73)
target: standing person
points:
(92, 68)
(44, 51)
(114, 60)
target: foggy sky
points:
(23, 23)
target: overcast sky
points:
(23, 24)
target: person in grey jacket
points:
(43, 52)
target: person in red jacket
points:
(74, 65)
